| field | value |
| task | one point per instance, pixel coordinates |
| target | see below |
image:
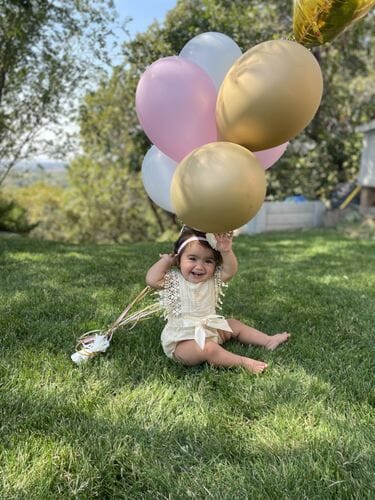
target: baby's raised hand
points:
(168, 258)
(224, 241)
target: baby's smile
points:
(197, 275)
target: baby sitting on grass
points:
(190, 283)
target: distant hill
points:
(47, 165)
(28, 172)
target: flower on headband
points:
(211, 239)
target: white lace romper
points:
(190, 310)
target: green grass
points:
(133, 424)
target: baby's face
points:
(197, 263)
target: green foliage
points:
(107, 204)
(13, 217)
(49, 51)
(44, 208)
(325, 153)
(133, 424)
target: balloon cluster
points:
(218, 119)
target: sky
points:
(143, 12)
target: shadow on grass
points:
(175, 429)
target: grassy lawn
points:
(133, 424)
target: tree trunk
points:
(156, 215)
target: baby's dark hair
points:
(188, 232)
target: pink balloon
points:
(268, 157)
(175, 102)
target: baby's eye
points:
(209, 261)
(192, 258)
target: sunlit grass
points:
(133, 424)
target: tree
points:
(106, 193)
(49, 52)
(325, 153)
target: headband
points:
(189, 240)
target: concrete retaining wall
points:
(282, 215)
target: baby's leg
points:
(189, 353)
(248, 335)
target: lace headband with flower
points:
(209, 238)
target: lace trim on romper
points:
(169, 295)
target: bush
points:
(42, 206)
(13, 217)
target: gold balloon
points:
(269, 95)
(218, 187)
(318, 21)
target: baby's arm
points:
(224, 246)
(155, 275)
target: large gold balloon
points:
(269, 95)
(218, 187)
(318, 21)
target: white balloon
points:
(214, 52)
(157, 173)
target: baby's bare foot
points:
(276, 340)
(253, 366)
